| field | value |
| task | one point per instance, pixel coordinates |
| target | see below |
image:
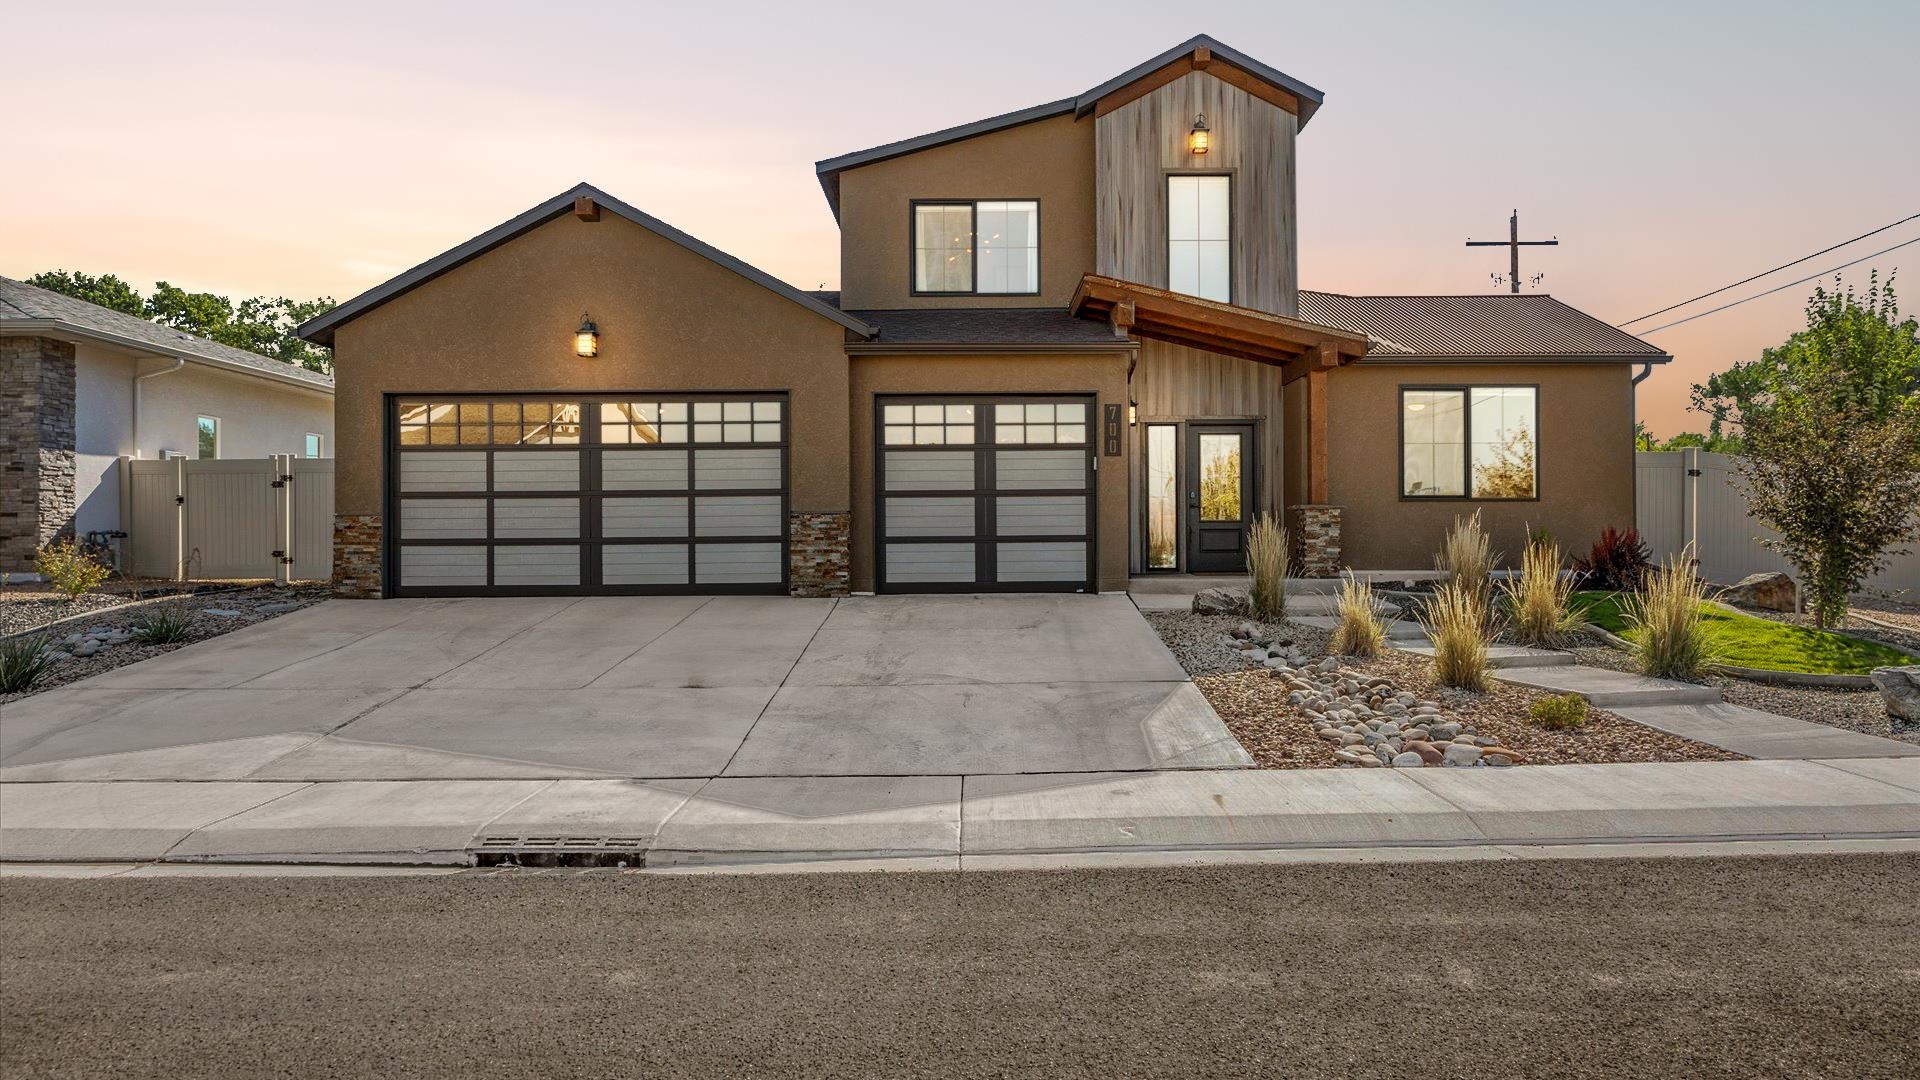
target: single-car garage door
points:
(633, 493)
(984, 494)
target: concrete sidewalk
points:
(750, 819)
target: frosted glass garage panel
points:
(443, 519)
(930, 562)
(1044, 515)
(1030, 470)
(536, 519)
(737, 515)
(736, 564)
(443, 567)
(930, 470)
(643, 517)
(643, 470)
(1041, 562)
(929, 517)
(737, 469)
(543, 565)
(454, 470)
(536, 470)
(643, 564)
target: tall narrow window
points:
(1163, 498)
(209, 434)
(315, 445)
(1199, 232)
(986, 247)
(1469, 442)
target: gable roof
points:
(320, 330)
(1495, 326)
(1310, 99)
(28, 308)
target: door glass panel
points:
(1163, 505)
(1219, 477)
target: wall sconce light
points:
(1200, 139)
(1133, 413)
(586, 340)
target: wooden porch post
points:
(1317, 426)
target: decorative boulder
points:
(1219, 601)
(1768, 592)
(1900, 689)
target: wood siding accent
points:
(1139, 143)
(1175, 383)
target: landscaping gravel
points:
(26, 610)
(95, 646)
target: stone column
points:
(356, 556)
(818, 562)
(1316, 540)
(37, 496)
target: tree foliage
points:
(260, 324)
(1831, 421)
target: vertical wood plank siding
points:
(1136, 145)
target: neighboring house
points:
(1068, 347)
(82, 386)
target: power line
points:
(1777, 288)
(1775, 270)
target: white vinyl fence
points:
(242, 518)
(1691, 495)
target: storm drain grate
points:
(630, 851)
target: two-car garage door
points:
(986, 494)
(629, 494)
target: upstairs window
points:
(979, 247)
(1199, 232)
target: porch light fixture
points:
(586, 340)
(1200, 139)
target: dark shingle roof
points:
(1501, 325)
(21, 302)
(1049, 327)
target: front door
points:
(1219, 485)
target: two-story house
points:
(1069, 347)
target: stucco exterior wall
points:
(1585, 460)
(257, 417)
(669, 320)
(1049, 160)
(1101, 374)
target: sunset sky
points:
(301, 150)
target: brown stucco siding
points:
(670, 320)
(1049, 160)
(1101, 374)
(1585, 461)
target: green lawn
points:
(1748, 641)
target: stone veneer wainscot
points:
(37, 499)
(819, 561)
(356, 556)
(1316, 539)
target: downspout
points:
(178, 363)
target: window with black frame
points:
(984, 247)
(1469, 442)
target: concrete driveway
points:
(641, 687)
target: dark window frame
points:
(973, 230)
(1466, 441)
(1233, 226)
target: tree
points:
(1831, 422)
(260, 324)
(1509, 475)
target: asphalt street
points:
(1785, 966)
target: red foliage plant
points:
(1619, 560)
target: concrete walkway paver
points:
(1608, 689)
(1760, 734)
(1507, 657)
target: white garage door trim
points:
(984, 493)
(575, 494)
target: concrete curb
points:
(50, 629)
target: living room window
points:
(1199, 236)
(1478, 442)
(979, 247)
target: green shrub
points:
(22, 661)
(1267, 565)
(1360, 631)
(1559, 712)
(163, 624)
(69, 569)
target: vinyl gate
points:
(238, 518)
(1692, 495)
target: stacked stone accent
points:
(818, 560)
(356, 556)
(37, 497)
(1316, 540)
